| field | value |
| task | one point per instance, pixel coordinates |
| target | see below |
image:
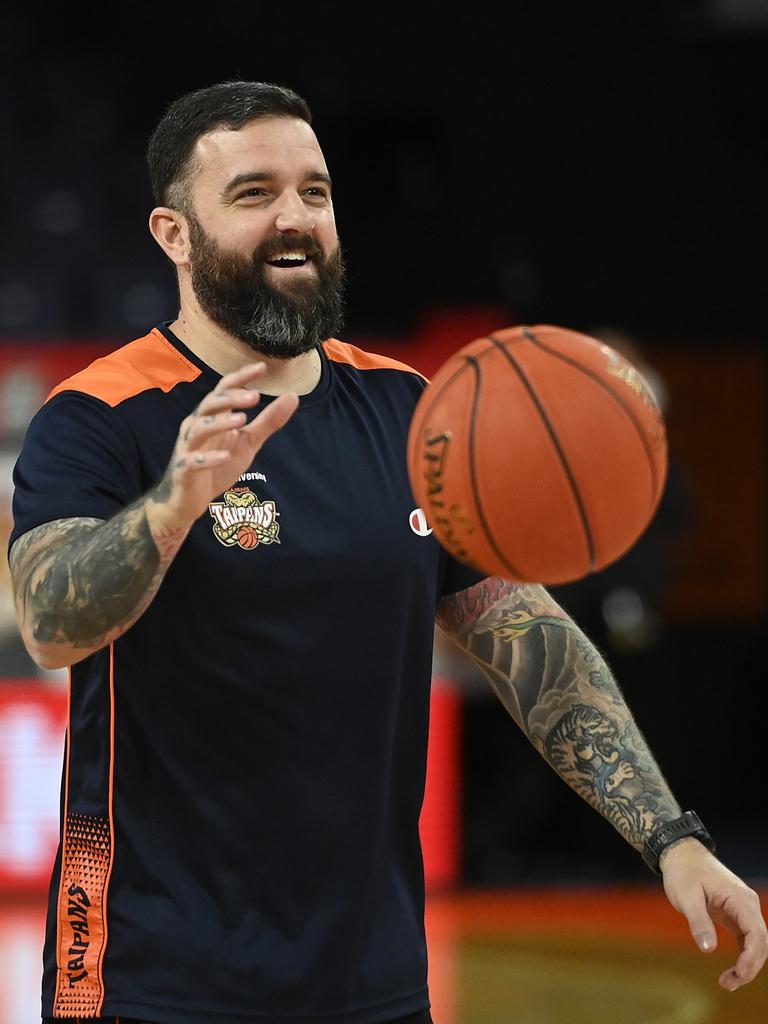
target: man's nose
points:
(293, 215)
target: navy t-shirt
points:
(244, 768)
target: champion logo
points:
(418, 522)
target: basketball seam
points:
(472, 471)
(558, 448)
(655, 482)
(435, 394)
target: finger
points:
(728, 980)
(753, 939)
(738, 975)
(193, 462)
(237, 378)
(272, 418)
(201, 429)
(228, 398)
(231, 383)
(693, 907)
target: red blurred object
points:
(444, 330)
(440, 824)
(28, 372)
(32, 728)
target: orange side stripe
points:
(148, 362)
(87, 859)
(111, 819)
(341, 352)
(59, 910)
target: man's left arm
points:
(557, 687)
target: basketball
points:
(538, 454)
(247, 536)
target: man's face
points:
(265, 260)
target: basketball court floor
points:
(549, 956)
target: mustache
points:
(267, 250)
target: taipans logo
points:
(78, 905)
(419, 524)
(244, 520)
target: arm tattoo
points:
(81, 583)
(558, 688)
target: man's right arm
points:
(81, 583)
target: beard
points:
(278, 322)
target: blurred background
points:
(597, 166)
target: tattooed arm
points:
(81, 583)
(558, 689)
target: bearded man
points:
(248, 616)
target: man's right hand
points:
(81, 583)
(215, 446)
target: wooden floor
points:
(578, 956)
(555, 956)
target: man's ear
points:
(171, 232)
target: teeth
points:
(295, 255)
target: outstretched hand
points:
(706, 892)
(215, 445)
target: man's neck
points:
(224, 353)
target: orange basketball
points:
(247, 536)
(538, 454)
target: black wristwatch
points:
(688, 824)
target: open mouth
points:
(292, 259)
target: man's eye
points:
(254, 192)
(317, 193)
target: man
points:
(249, 620)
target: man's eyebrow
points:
(249, 177)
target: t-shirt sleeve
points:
(78, 459)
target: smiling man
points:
(236, 580)
(250, 227)
(266, 265)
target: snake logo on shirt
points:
(242, 520)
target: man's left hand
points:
(706, 891)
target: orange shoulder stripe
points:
(341, 352)
(148, 362)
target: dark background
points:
(578, 164)
(570, 161)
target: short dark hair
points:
(230, 105)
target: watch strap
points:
(688, 824)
